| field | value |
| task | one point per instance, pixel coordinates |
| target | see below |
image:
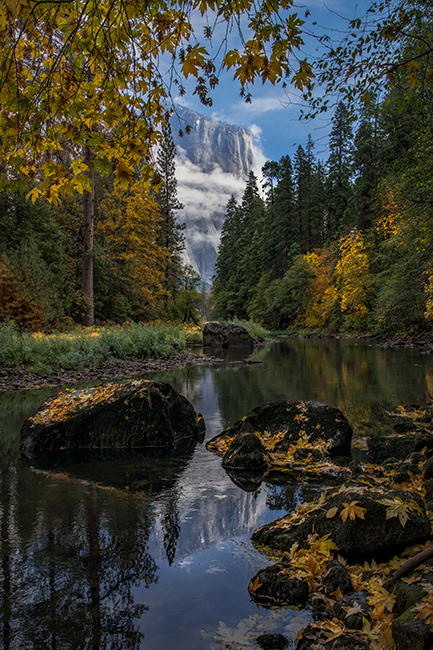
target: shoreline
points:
(20, 378)
(16, 379)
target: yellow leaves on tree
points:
(323, 292)
(128, 227)
(354, 278)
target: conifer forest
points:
(341, 240)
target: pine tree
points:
(170, 235)
(286, 226)
(338, 185)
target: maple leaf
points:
(299, 418)
(380, 600)
(355, 608)
(397, 508)
(425, 610)
(254, 585)
(352, 511)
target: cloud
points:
(261, 105)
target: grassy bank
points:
(93, 346)
(84, 347)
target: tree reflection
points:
(170, 523)
(71, 555)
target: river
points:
(154, 553)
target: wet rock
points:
(303, 453)
(337, 578)
(246, 452)
(313, 420)
(428, 469)
(405, 472)
(132, 414)
(404, 425)
(313, 637)
(270, 587)
(272, 641)
(344, 608)
(409, 631)
(400, 446)
(365, 530)
(246, 480)
(218, 334)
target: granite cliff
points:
(213, 162)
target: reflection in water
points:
(131, 552)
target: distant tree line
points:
(347, 243)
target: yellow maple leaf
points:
(254, 585)
(397, 508)
(352, 511)
(425, 610)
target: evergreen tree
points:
(225, 282)
(286, 224)
(170, 235)
(339, 171)
(365, 167)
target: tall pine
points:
(170, 235)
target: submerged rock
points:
(359, 521)
(218, 334)
(313, 421)
(133, 414)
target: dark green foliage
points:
(170, 234)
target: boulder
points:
(132, 414)
(272, 588)
(397, 446)
(218, 334)
(310, 420)
(246, 452)
(360, 521)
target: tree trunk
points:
(88, 214)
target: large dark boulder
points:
(133, 414)
(218, 334)
(312, 420)
(246, 453)
(355, 519)
(380, 448)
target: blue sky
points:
(273, 114)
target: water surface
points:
(154, 552)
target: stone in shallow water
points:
(295, 419)
(246, 452)
(359, 521)
(218, 334)
(132, 414)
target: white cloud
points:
(260, 105)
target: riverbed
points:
(151, 552)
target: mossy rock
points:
(271, 588)
(355, 519)
(296, 420)
(400, 447)
(132, 414)
(246, 452)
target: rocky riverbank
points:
(21, 378)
